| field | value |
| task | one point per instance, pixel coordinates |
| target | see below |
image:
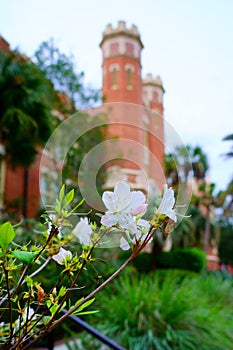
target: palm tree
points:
(25, 110)
(178, 166)
(229, 138)
(184, 160)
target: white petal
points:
(85, 240)
(137, 204)
(59, 258)
(124, 245)
(167, 204)
(109, 219)
(127, 222)
(143, 223)
(83, 231)
(110, 200)
(123, 195)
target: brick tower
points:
(121, 49)
(135, 114)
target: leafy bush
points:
(192, 259)
(143, 261)
(168, 310)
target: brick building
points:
(135, 117)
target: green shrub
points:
(192, 259)
(166, 311)
(143, 262)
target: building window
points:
(129, 78)
(114, 78)
(114, 68)
(129, 49)
(114, 49)
(129, 68)
(155, 96)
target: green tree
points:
(25, 110)
(60, 69)
(207, 201)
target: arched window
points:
(114, 77)
(129, 78)
(114, 49)
(129, 68)
(129, 49)
(114, 68)
(155, 96)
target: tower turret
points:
(153, 92)
(121, 48)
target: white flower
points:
(28, 312)
(61, 256)
(83, 231)
(167, 204)
(51, 224)
(123, 205)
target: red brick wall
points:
(14, 189)
(122, 93)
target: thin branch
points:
(137, 249)
(9, 302)
(40, 268)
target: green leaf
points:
(57, 206)
(29, 281)
(54, 307)
(7, 234)
(86, 304)
(68, 198)
(78, 205)
(84, 312)
(24, 257)
(62, 291)
(62, 193)
(77, 302)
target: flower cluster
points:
(20, 265)
(125, 209)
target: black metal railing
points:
(49, 343)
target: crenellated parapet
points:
(153, 90)
(121, 40)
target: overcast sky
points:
(189, 43)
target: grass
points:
(167, 310)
